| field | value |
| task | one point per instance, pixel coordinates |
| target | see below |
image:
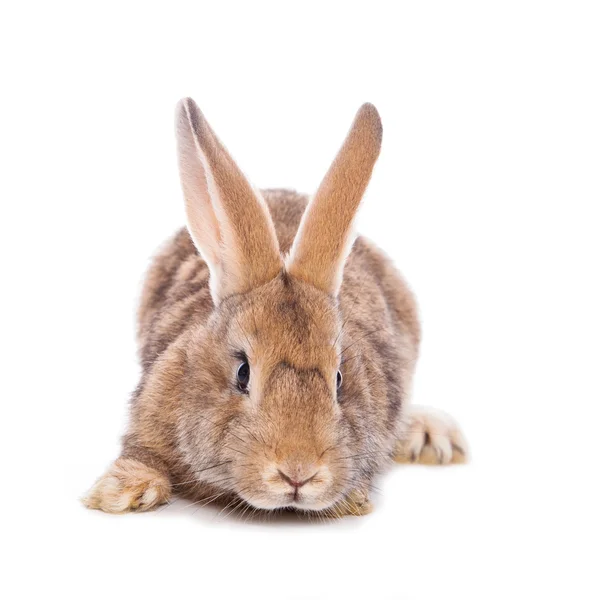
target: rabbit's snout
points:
(297, 483)
(294, 480)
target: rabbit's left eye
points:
(243, 376)
(339, 380)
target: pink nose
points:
(293, 482)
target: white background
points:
(486, 196)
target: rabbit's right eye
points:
(243, 376)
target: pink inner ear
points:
(202, 220)
(228, 220)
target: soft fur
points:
(276, 279)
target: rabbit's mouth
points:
(297, 503)
(313, 500)
(297, 500)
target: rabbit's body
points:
(240, 347)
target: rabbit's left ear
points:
(228, 221)
(325, 235)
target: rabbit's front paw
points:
(356, 504)
(431, 437)
(128, 485)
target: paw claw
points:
(459, 449)
(431, 437)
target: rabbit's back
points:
(176, 292)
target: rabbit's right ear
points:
(325, 235)
(228, 220)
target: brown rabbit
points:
(277, 350)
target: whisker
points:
(327, 450)
(219, 480)
(245, 442)
(204, 501)
(235, 499)
(248, 430)
(201, 470)
(235, 507)
(342, 328)
(362, 338)
(237, 450)
(373, 453)
(167, 505)
(345, 360)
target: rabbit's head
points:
(265, 411)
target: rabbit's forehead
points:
(291, 323)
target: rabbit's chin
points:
(287, 501)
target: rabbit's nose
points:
(294, 481)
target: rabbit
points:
(277, 348)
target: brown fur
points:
(321, 247)
(297, 326)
